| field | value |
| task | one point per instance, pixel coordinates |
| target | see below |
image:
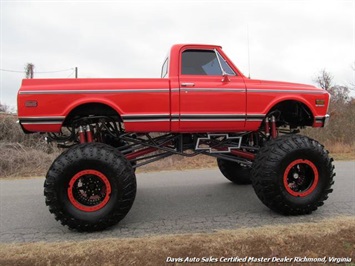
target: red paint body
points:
(165, 104)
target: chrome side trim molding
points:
(104, 91)
(192, 117)
(249, 90)
(164, 90)
(50, 120)
(213, 90)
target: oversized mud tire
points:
(90, 187)
(235, 172)
(293, 175)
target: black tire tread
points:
(264, 172)
(125, 179)
(234, 172)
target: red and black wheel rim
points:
(301, 178)
(89, 190)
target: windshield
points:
(164, 68)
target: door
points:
(212, 95)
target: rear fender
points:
(81, 102)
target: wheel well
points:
(292, 113)
(88, 109)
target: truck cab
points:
(200, 90)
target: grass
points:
(341, 151)
(18, 161)
(338, 151)
(328, 238)
(29, 155)
(177, 162)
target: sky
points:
(286, 40)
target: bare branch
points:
(324, 80)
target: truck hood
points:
(279, 85)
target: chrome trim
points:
(187, 84)
(94, 91)
(219, 117)
(165, 117)
(133, 118)
(41, 117)
(147, 120)
(220, 64)
(212, 120)
(36, 120)
(326, 120)
(209, 149)
(214, 90)
(234, 114)
(114, 91)
(319, 118)
(41, 123)
(134, 115)
(255, 119)
(283, 91)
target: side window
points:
(164, 68)
(200, 62)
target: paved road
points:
(166, 202)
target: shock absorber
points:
(82, 137)
(251, 139)
(89, 137)
(273, 128)
(267, 127)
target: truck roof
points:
(181, 45)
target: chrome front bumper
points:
(326, 120)
(321, 121)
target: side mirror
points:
(225, 78)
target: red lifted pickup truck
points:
(202, 104)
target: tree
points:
(4, 108)
(352, 83)
(339, 94)
(324, 80)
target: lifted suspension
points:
(143, 148)
(270, 127)
(85, 135)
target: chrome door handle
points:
(187, 84)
